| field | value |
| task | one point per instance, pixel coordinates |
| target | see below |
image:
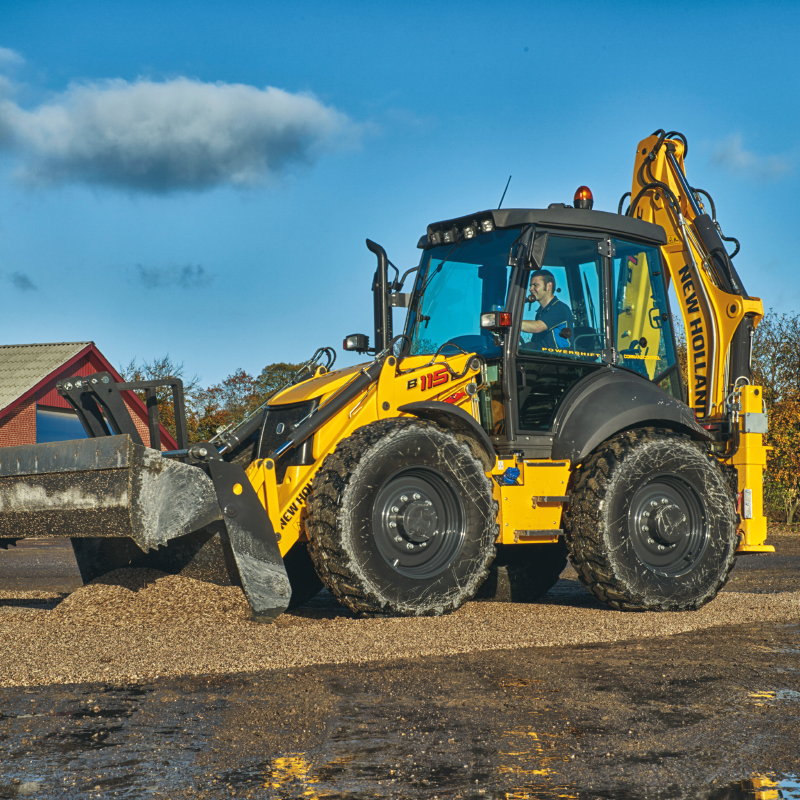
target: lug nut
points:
(645, 528)
(651, 541)
(435, 532)
(654, 503)
(409, 546)
(416, 496)
(398, 538)
(424, 544)
(661, 547)
(392, 524)
(646, 514)
(395, 509)
(404, 499)
(664, 500)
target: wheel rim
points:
(418, 522)
(668, 524)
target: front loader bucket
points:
(111, 487)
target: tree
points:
(776, 367)
(274, 377)
(776, 356)
(682, 354)
(226, 403)
(783, 461)
(163, 369)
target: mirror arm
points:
(399, 286)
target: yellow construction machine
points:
(475, 451)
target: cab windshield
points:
(456, 284)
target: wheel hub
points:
(671, 524)
(418, 521)
(667, 524)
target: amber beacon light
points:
(583, 197)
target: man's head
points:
(543, 286)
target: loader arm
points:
(719, 318)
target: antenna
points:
(504, 192)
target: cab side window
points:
(643, 324)
(576, 332)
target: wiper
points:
(591, 302)
(437, 270)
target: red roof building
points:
(31, 409)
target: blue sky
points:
(156, 196)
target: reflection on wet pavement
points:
(760, 787)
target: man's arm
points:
(532, 326)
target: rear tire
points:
(402, 520)
(523, 573)
(651, 524)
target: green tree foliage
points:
(776, 367)
(214, 407)
(274, 377)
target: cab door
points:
(544, 371)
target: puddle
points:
(766, 698)
(786, 787)
(139, 744)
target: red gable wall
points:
(18, 421)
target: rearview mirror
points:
(538, 249)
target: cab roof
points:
(557, 216)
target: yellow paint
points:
(711, 317)
(709, 313)
(286, 501)
(750, 462)
(237, 488)
(517, 509)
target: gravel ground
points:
(136, 625)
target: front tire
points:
(402, 520)
(651, 524)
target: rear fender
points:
(610, 401)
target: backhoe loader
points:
(470, 455)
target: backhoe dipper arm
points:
(718, 315)
(719, 318)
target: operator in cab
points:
(552, 317)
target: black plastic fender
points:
(609, 401)
(458, 421)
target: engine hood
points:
(316, 387)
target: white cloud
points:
(731, 155)
(170, 136)
(8, 56)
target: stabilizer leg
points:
(253, 541)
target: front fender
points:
(612, 400)
(457, 420)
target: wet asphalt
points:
(709, 714)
